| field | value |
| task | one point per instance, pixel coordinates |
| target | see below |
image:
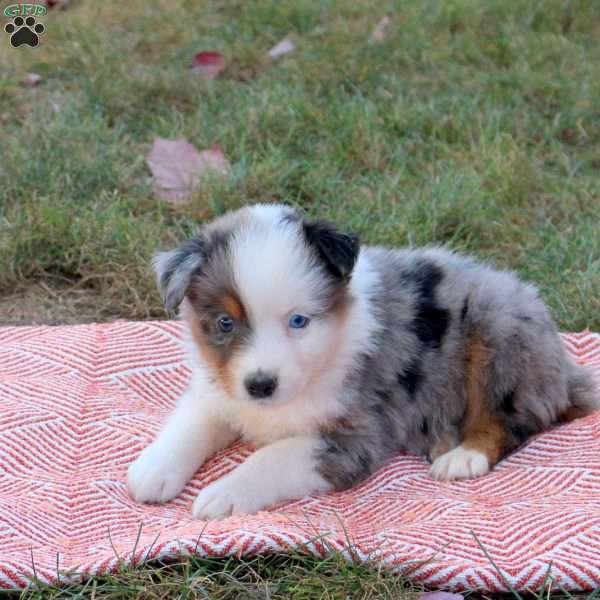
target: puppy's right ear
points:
(174, 270)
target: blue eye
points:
(225, 324)
(298, 321)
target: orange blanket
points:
(77, 404)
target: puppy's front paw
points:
(231, 495)
(151, 478)
(460, 463)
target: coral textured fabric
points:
(77, 405)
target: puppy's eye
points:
(225, 324)
(298, 321)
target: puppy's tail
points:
(584, 393)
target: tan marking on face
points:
(233, 307)
(342, 302)
(220, 366)
(483, 431)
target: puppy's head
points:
(265, 295)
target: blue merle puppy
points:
(333, 358)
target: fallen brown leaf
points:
(285, 46)
(178, 167)
(379, 32)
(50, 4)
(440, 596)
(208, 64)
(32, 79)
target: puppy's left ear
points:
(338, 251)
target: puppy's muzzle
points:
(261, 385)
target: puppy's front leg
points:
(191, 434)
(284, 470)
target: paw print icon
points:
(24, 31)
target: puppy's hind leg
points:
(584, 394)
(484, 436)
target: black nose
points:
(261, 385)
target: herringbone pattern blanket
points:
(77, 404)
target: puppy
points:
(332, 359)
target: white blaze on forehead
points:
(273, 269)
(269, 213)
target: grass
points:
(473, 124)
(274, 577)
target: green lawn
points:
(272, 578)
(474, 123)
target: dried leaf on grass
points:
(50, 4)
(285, 46)
(208, 64)
(32, 79)
(380, 31)
(178, 167)
(440, 596)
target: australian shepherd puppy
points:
(332, 359)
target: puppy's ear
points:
(338, 251)
(174, 270)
